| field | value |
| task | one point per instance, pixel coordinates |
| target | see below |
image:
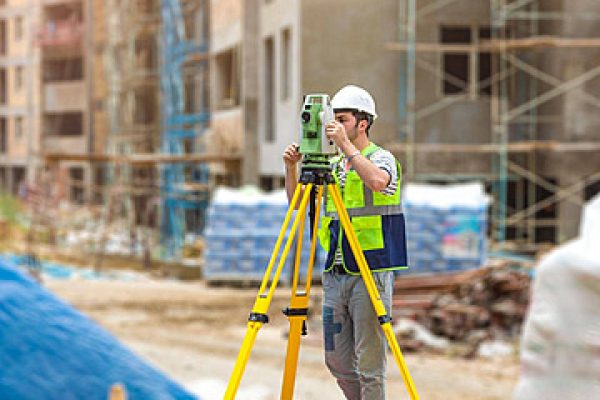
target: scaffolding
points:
(185, 119)
(157, 67)
(522, 118)
(151, 168)
(133, 110)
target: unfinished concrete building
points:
(131, 68)
(47, 85)
(66, 74)
(157, 102)
(19, 93)
(497, 91)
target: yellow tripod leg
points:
(297, 313)
(365, 272)
(258, 316)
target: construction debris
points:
(468, 308)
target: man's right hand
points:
(291, 156)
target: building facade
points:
(268, 54)
(49, 84)
(19, 93)
(501, 92)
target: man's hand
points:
(291, 156)
(335, 131)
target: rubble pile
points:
(468, 308)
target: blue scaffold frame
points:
(179, 181)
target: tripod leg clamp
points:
(384, 319)
(256, 317)
(295, 312)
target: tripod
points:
(311, 184)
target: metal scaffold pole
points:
(406, 92)
(500, 129)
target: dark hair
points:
(359, 115)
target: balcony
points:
(64, 132)
(64, 96)
(60, 33)
(59, 2)
(65, 144)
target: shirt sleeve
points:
(385, 160)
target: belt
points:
(339, 269)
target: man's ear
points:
(363, 124)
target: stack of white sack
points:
(446, 226)
(560, 355)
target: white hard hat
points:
(354, 98)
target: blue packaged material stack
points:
(446, 227)
(241, 233)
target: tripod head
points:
(317, 176)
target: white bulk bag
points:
(560, 349)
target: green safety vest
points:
(376, 218)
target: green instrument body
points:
(314, 145)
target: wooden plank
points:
(539, 42)
(515, 147)
(463, 309)
(437, 281)
(141, 159)
(498, 45)
(414, 301)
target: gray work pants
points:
(355, 345)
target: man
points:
(369, 179)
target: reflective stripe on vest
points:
(368, 203)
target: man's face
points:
(349, 121)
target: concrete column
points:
(3, 187)
(569, 214)
(10, 177)
(89, 52)
(250, 90)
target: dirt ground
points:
(193, 333)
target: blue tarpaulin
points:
(49, 350)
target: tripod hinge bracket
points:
(316, 176)
(295, 312)
(384, 319)
(256, 317)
